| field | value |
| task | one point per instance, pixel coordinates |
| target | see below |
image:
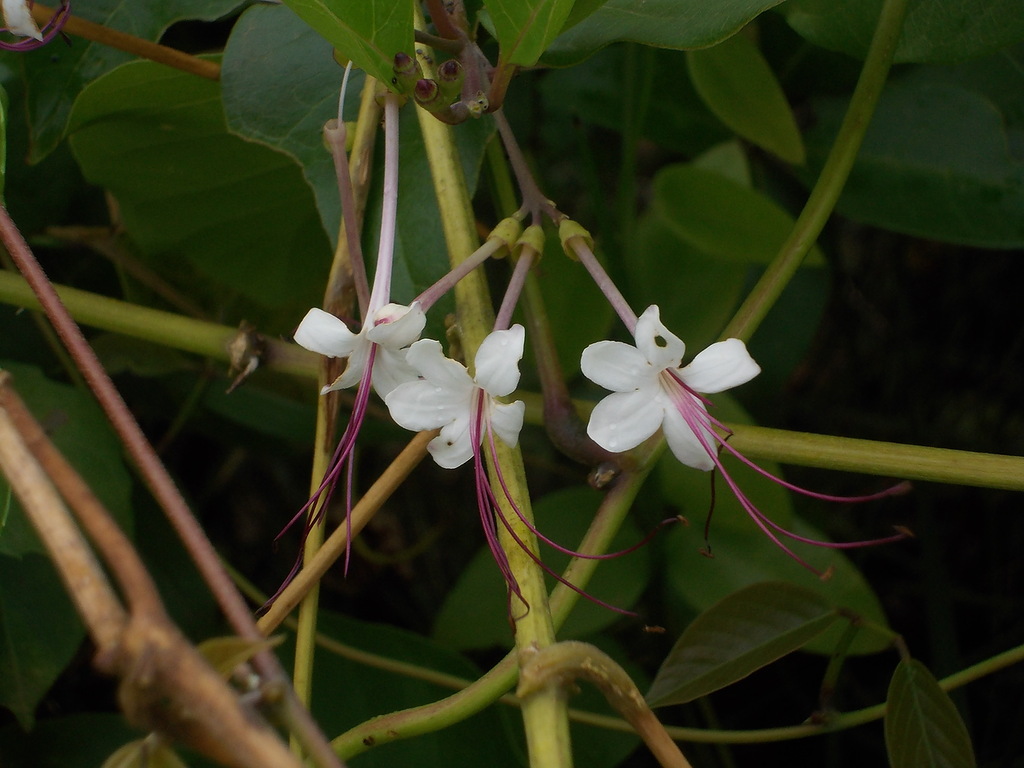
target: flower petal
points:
(428, 359)
(420, 405)
(497, 361)
(507, 421)
(723, 365)
(616, 366)
(396, 326)
(18, 19)
(391, 369)
(623, 420)
(662, 348)
(323, 333)
(353, 373)
(452, 448)
(682, 440)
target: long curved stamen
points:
(485, 499)
(340, 462)
(495, 509)
(702, 424)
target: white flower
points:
(390, 329)
(651, 390)
(464, 408)
(18, 19)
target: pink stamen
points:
(490, 509)
(701, 423)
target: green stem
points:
(500, 678)
(832, 179)
(545, 713)
(912, 462)
(165, 328)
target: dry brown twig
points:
(165, 683)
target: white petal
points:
(391, 369)
(353, 373)
(428, 359)
(623, 420)
(507, 421)
(616, 366)
(18, 19)
(681, 438)
(662, 348)
(723, 365)
(452, 448)
(396, 326)
(420, 405)
(497, 361)
(323, 333)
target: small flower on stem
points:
(652, 390)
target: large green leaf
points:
(39, 632)
(933, 30)
(697, 293)
(524, 28)
(239, 212)
(596, 91)
(369, 32)
(56, 74)
(743, 554)
(663, 23)
(721, 217)
(938, 161)
(744, 632)
(281, 95)
(474, 614)
(279, 86)
(81, 432)
(737, 84)
(922, 726)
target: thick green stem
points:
(165, 328)
(832, 179)
(545, 712)
(500, 678)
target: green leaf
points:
(524, 28)
(933, 30)
(704, 290)
(281, 95)
(81, 432)
(563, 517)
(737, 636)
(675, 24)
(242, 214)
(737, 84)
(369, 32)
(922, 726)
(279, 88)
(39, 632)
(721, 217)
(743, 554)
(937, 162)
(596, 91)
(56, 74)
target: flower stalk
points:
(545, 712)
